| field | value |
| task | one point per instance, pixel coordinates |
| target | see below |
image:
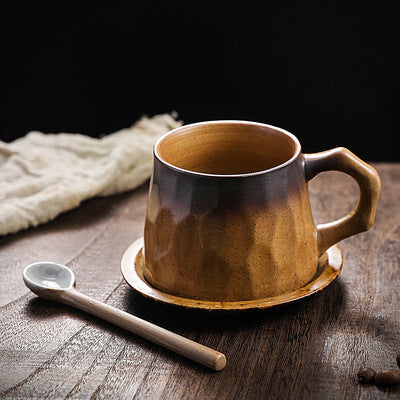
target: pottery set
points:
(229, 222)
(228, 227)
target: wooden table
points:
(311, 349)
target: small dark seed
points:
(387, 377)
(398, 359)
(366, 375)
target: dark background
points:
(327, 73)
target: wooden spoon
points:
(56, 282)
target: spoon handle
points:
(171, 341)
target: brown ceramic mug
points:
(229, 215)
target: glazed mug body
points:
(228, 215)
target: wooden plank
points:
(310, 349)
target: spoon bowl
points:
(48, 275)
(56, 282)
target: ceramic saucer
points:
(132, 264)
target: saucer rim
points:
(137, 282)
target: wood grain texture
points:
(311, 349)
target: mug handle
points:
(363, 215)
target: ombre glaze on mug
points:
(229, 215)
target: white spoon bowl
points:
(48, 275)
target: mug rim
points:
(291, 136)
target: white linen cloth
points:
(43, 175)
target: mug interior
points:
(227, 147)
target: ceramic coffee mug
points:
(229, 215)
